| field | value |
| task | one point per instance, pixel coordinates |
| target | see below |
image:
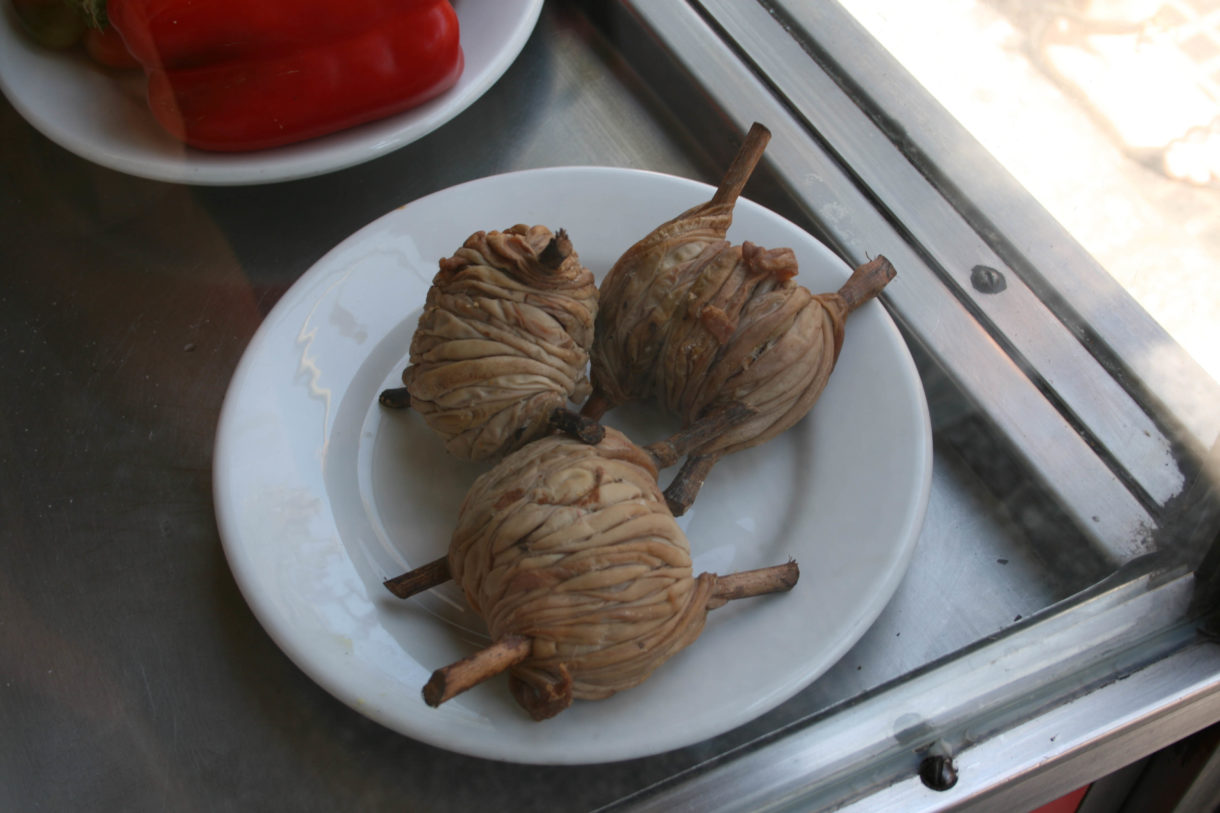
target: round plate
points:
(101, 115)
(321, 494)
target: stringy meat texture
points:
(503, 340)
(572, 545)
(641, 295)
(700, 325)
(695, 322)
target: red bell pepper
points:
(105, 47)
(250, 74)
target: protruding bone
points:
(450, 681)
(395, 398)
(866, 282)
(748, 155)
(596, 406)
(774, 579)
(586, 430)
(682, 490)
(556, 251)
(678, 445)
(422, 578)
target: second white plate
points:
(320, 494)
(102, 115)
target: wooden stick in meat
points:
(631, 304)
(422, 578)
(450, 681)
(750, 583)
(693, 321)
(738, 175)
(571, 546)
(661, 454)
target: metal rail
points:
(1080, 435)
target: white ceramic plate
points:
(102, 116)
(321, 494)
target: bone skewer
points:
(681, 492)
(450, 681)
(865, 282)
(667, 452)
(422, 578)
(586, 430)
(747, 158)
(395, 398)
(596, 406)
(749, 583)
(556, 251)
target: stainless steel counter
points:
(1059, 551)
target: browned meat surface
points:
(572, 546)
(569, 553)
(502, 342)
(695, 322)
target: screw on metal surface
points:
(937, 772)
(987, 280)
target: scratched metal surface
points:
(132, 674)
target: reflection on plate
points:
(320, 495)
(102, 116)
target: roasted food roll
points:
(695, 322)
(642, 293)
(573, 546)
(583, 577)
(503, 341)
(729, 325)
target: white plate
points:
(320, 494)
(101, 115)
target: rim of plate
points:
(319, 156)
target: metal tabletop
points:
(1046, 634)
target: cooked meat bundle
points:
(502, 343)
(569, 553)
(696, 322)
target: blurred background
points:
(1108, 112)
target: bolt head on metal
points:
(987, 280)
(937, 772)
